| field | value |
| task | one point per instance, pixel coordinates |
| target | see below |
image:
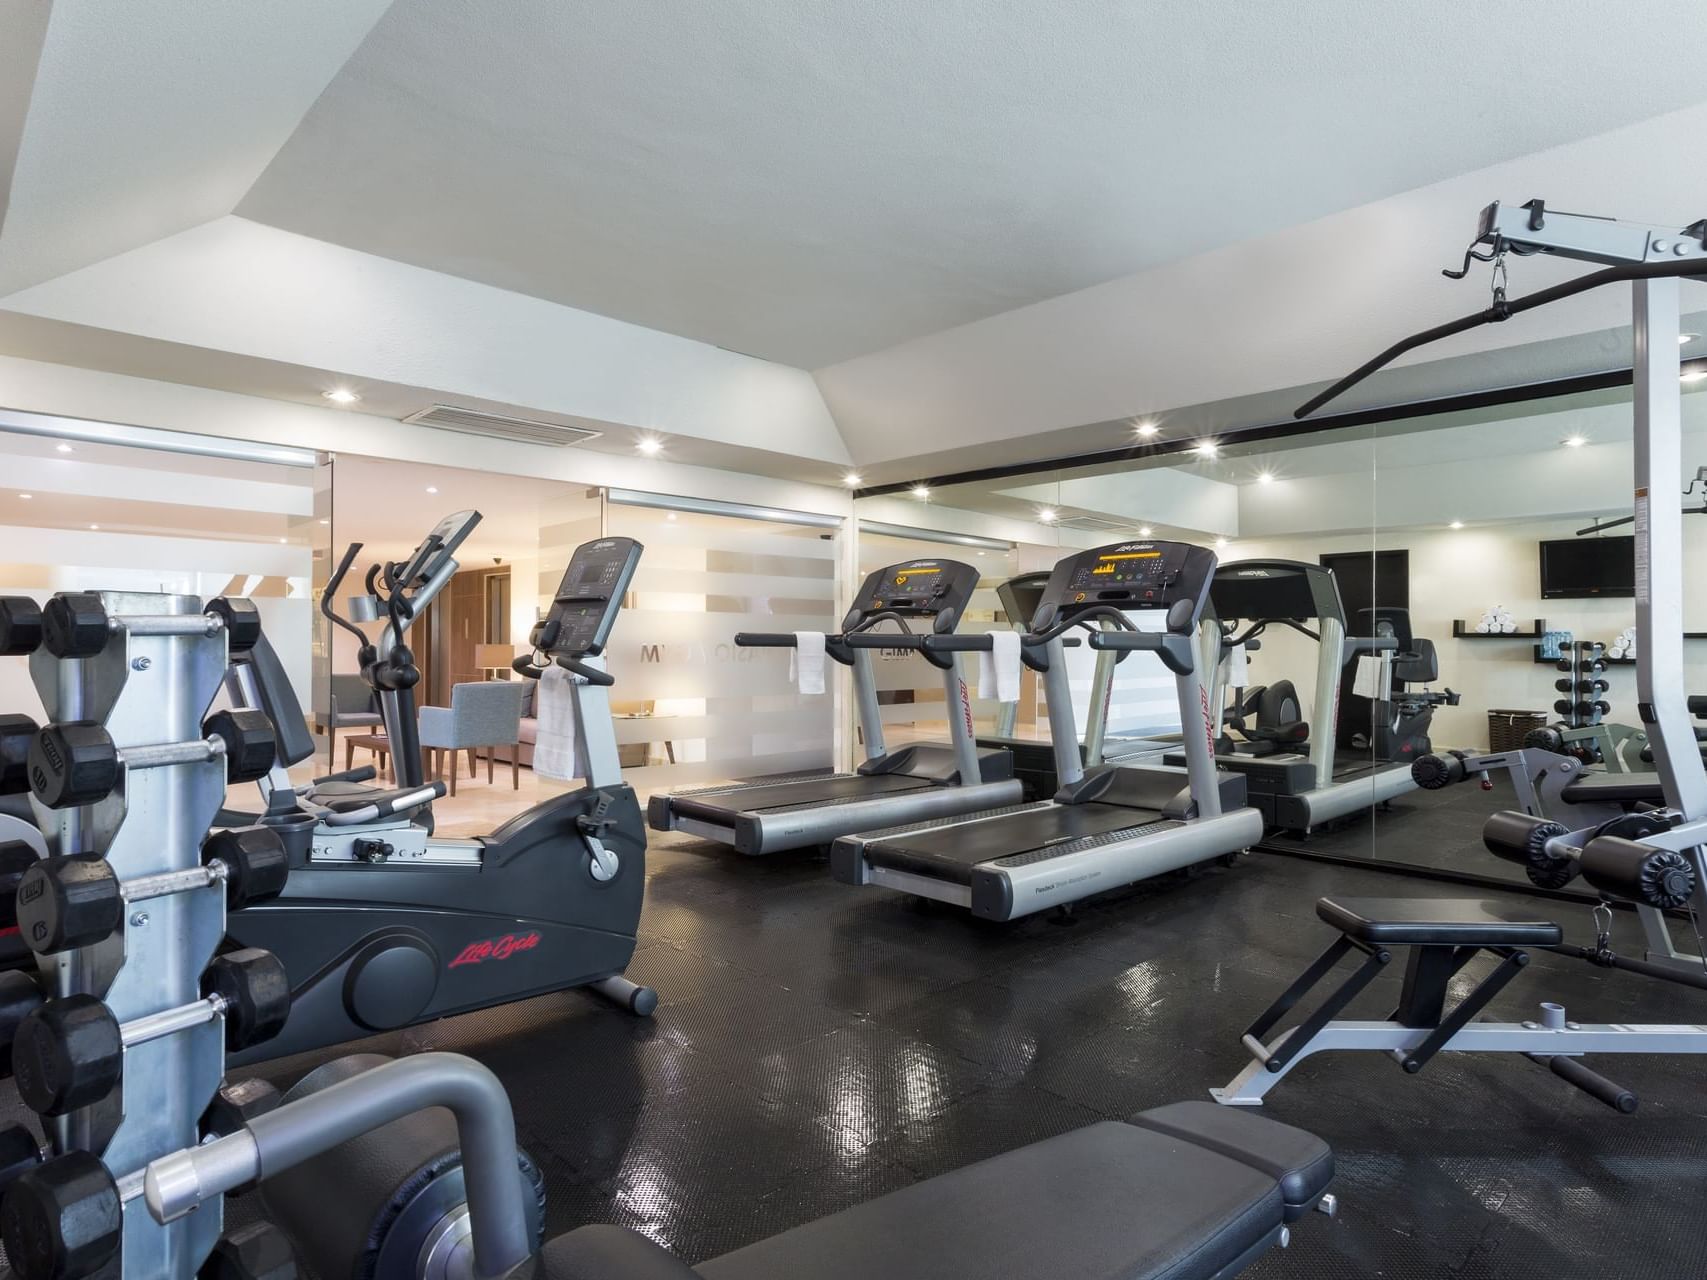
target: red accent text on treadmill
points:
(496, 948)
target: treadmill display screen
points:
(1124, 570)
(914, 588)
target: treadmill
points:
(1305, 787)
(919, 781)
(1109, 825)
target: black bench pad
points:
(1614, 788)
(1458, 922)
(1301, 1163)
(1186, 1192)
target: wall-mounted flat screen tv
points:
(1588, 568)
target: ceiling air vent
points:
(473, 422)
(1094, 524)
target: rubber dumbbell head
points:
(67, 1054)
(20, 626)
(73, 763)
(20, 996)
(16, 858)
(250, 748)
(236, 1104)
(63, 1220)
(69, 901)
(74, 625)
(255, 860)
(1545, 739)
(20, 1151)
(16, 734)
(242, 621)
(257, 1251)
(256, 991)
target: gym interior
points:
(829, 641)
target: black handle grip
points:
(959, 644)
(592, 675)
(765, 640)
(1597, 1086)
(364, 773)
(1127, 639)
(888, 640)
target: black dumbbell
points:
(16, 734)
(20, 625)
(77, 762)
(69, 1053)
(20, 996)
(75, 625)
(62, 1220)
(242, 621)
(1563, 664)
(258, 1251)
(1562, 707)
(77, 900)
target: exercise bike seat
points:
(1429, 922)
(1190, 1191)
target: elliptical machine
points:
(384, 925)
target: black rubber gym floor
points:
(817, 1045)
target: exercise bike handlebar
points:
(384, 804)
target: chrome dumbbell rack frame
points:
(151, 683)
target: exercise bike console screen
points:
(581, 615)
(436, 547)
(915, 589)
(1127, 575)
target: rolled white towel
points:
(1508, 627)
(999, 668)
(1616, 651)
(806, 661)
(1484, 627)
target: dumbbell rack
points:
(163, 661)
(1584, 667)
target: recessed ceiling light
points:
(1692, 375)
(64, 448)
(851, 479)
(1220, 544)
(325, 522)
(95, 527)
(921, 491)
(1265, 477)
(651, 446)
(669, 515)
(1456, 524)
(26, 496)
(341, 395)
(1144, 532)
(1046, 514)
(1146, 427)
(1684, 339)
(283, 541)
(1208, 449)
(432, 488)
(1574, 442)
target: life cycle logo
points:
(495, 949)
(1135, 546)
(1252, 573)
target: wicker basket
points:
(1507, 728)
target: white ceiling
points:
(814, 180)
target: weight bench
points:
(1182, 1192)
(1444, 935)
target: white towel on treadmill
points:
(558, 752)
(1366, 683)
(1238, 669)
(806, 661)
(999, 668)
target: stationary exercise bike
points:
(1394, 726)
(384, 925)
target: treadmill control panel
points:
(1128, 575)
(937, 589)
(1269, 590)
(587, 600)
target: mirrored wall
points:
(1480, 566)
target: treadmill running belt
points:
(806, 793)
(950, 853)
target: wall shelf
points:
(1462, 630)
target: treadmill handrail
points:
(1175, 651)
